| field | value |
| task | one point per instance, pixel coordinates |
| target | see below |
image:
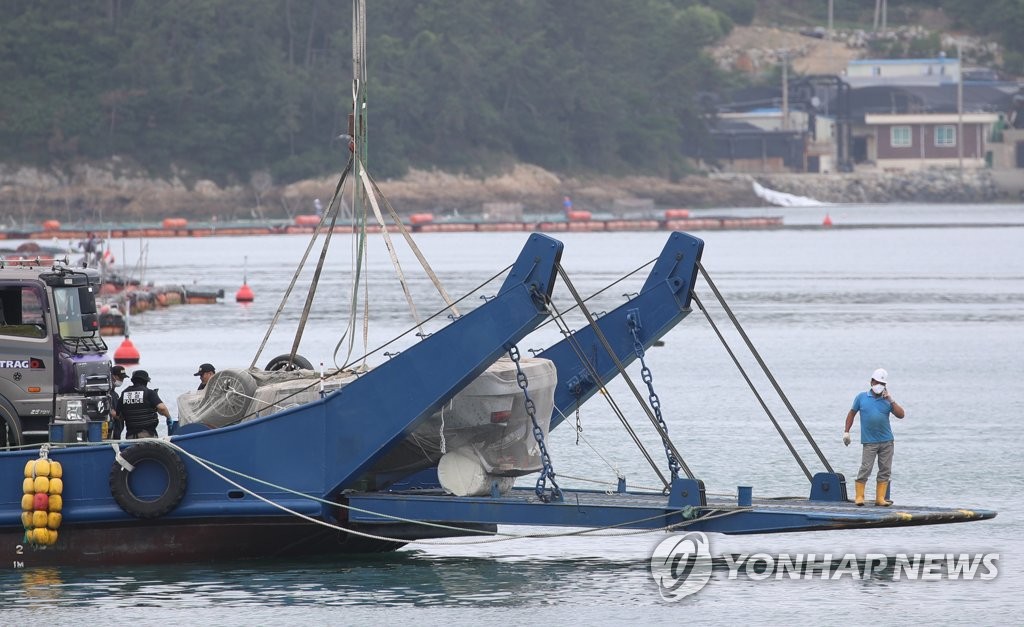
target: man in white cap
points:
(874, 406)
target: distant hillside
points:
(998, 21)
(252, 96)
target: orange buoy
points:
(244, 294)
(421, 218)
(126, 353)
(827, 221)
(676, 214)
(51, 225)
(307, 220)
(578, 216)
(175, 223)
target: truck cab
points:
(54, 369)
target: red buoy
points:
(827, 221)
(126, 353)
(244, 294)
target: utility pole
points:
(785, 90)
(829, 35)
(830, 8)
(881, 14)
(960, 106)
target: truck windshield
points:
(69, 310)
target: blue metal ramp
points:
(637, 510)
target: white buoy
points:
(461, 473)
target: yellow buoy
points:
(42, 484)
(56, 486)
(40, 518)
(42, 468)
(56, 472)
(40, 535)
(56, 503)
(28, 502)
(53, 520)
(29, 467)
(26, 520)
(53, 537)
(28, 486)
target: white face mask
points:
(877, 388)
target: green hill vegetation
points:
(233, 89)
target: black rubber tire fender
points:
(281, 363)
(177, 480)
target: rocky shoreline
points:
(109, 193)
(936, 185)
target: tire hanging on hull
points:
(177, 480)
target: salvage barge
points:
(308, 480)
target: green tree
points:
(227, 89)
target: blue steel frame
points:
(321, 447)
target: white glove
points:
(846, 438)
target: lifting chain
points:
(632, 318)
(547, 472)
(579, 423)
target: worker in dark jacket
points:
(138, 407)
(116, 425)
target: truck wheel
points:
(10, 427)
(281, 363)
(228, 398)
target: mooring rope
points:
(496, 536)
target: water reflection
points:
(39, 585)
(399, 579)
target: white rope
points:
(444, 444)
(501, 537)
(121, 460)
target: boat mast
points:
(358, 119)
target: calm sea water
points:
(941, 308)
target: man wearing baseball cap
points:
(874, 406)
(205, 373)
(139, 406)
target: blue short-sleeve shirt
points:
(874, 418)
